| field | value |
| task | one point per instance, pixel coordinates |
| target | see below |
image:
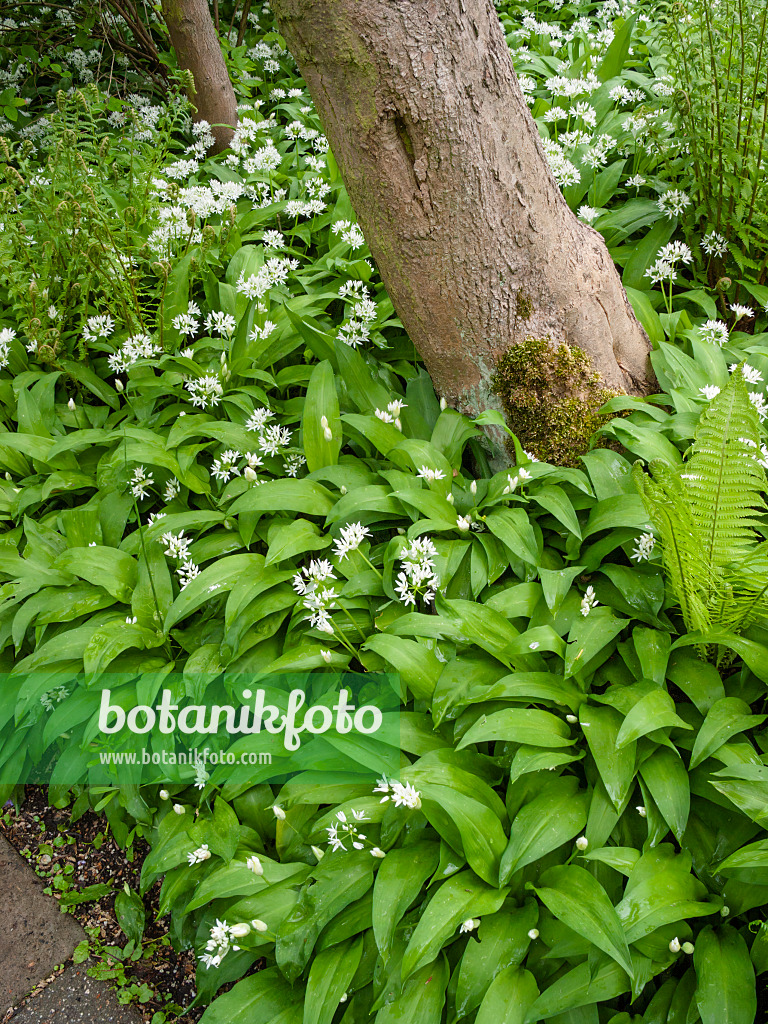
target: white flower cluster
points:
(177, 546)
(221, 936)
(673, 202)
(198, 856)
(319, 600)
(714, 244)
(7, 334)
(136, 347)
(417, 577)
(715, 332)
(350, 233)
(400, 795)
(205, 391)
(520, 477)
(343, 830)
(392, 413)
(273, 273)
(355, 329)
(668, 257)
(100, 326)
(643, 549)
(53, 697)
(588, 601)
(140, 481)
(350, 538)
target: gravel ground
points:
(89, 861)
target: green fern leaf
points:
(723, 479)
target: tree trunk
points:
(445, 169)
(197, 48)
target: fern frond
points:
(723, 479)
(682, 545)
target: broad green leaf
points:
(468, 825)
(212, 582)
(654, 711)
(580, 986)
(335, 883)
(661, 890)
(417, 665)
(556, 815)
(294, 537)
(666, 777)
(422, 998)
(725, 989)
(616, 766)
(398, 882)
(511, 994)
(519, 725)
(111, 640)
(479, 624)
(233, 879)
(503, 942)
(257, 999)
(725, 718)
(513, 529)
(459, 897)
(321, 402)
(588, 636)
(329, 977)
(558, 504)
(287, 495)
(577, 899)
(105, 567)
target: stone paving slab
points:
(35, 936)
(74, 998)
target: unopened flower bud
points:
(642, 811)
(687, 947)
(324, 422)
(164, 794)
(318, 852)
(376, 852)
(249, 474)
(582, 843)
(279, 813)
(254, 864)
(326, 656)
(725, 911)
(240, 930)
(327, 434)
(473, 487)
(449, 498)
(443, 405)
(119, 386)
(571, 719)
(223, 358)
(342, 489)
(259, 925)
(674, 946)
(179, 808)
(533, 933)
(71, 405)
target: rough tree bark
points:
(193, 37)
(445, 169)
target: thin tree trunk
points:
(196, 43)
(445, 169)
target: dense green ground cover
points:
(222, 458)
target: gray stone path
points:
(35, 937)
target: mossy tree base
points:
(550, 396)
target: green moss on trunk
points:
(550, 397)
